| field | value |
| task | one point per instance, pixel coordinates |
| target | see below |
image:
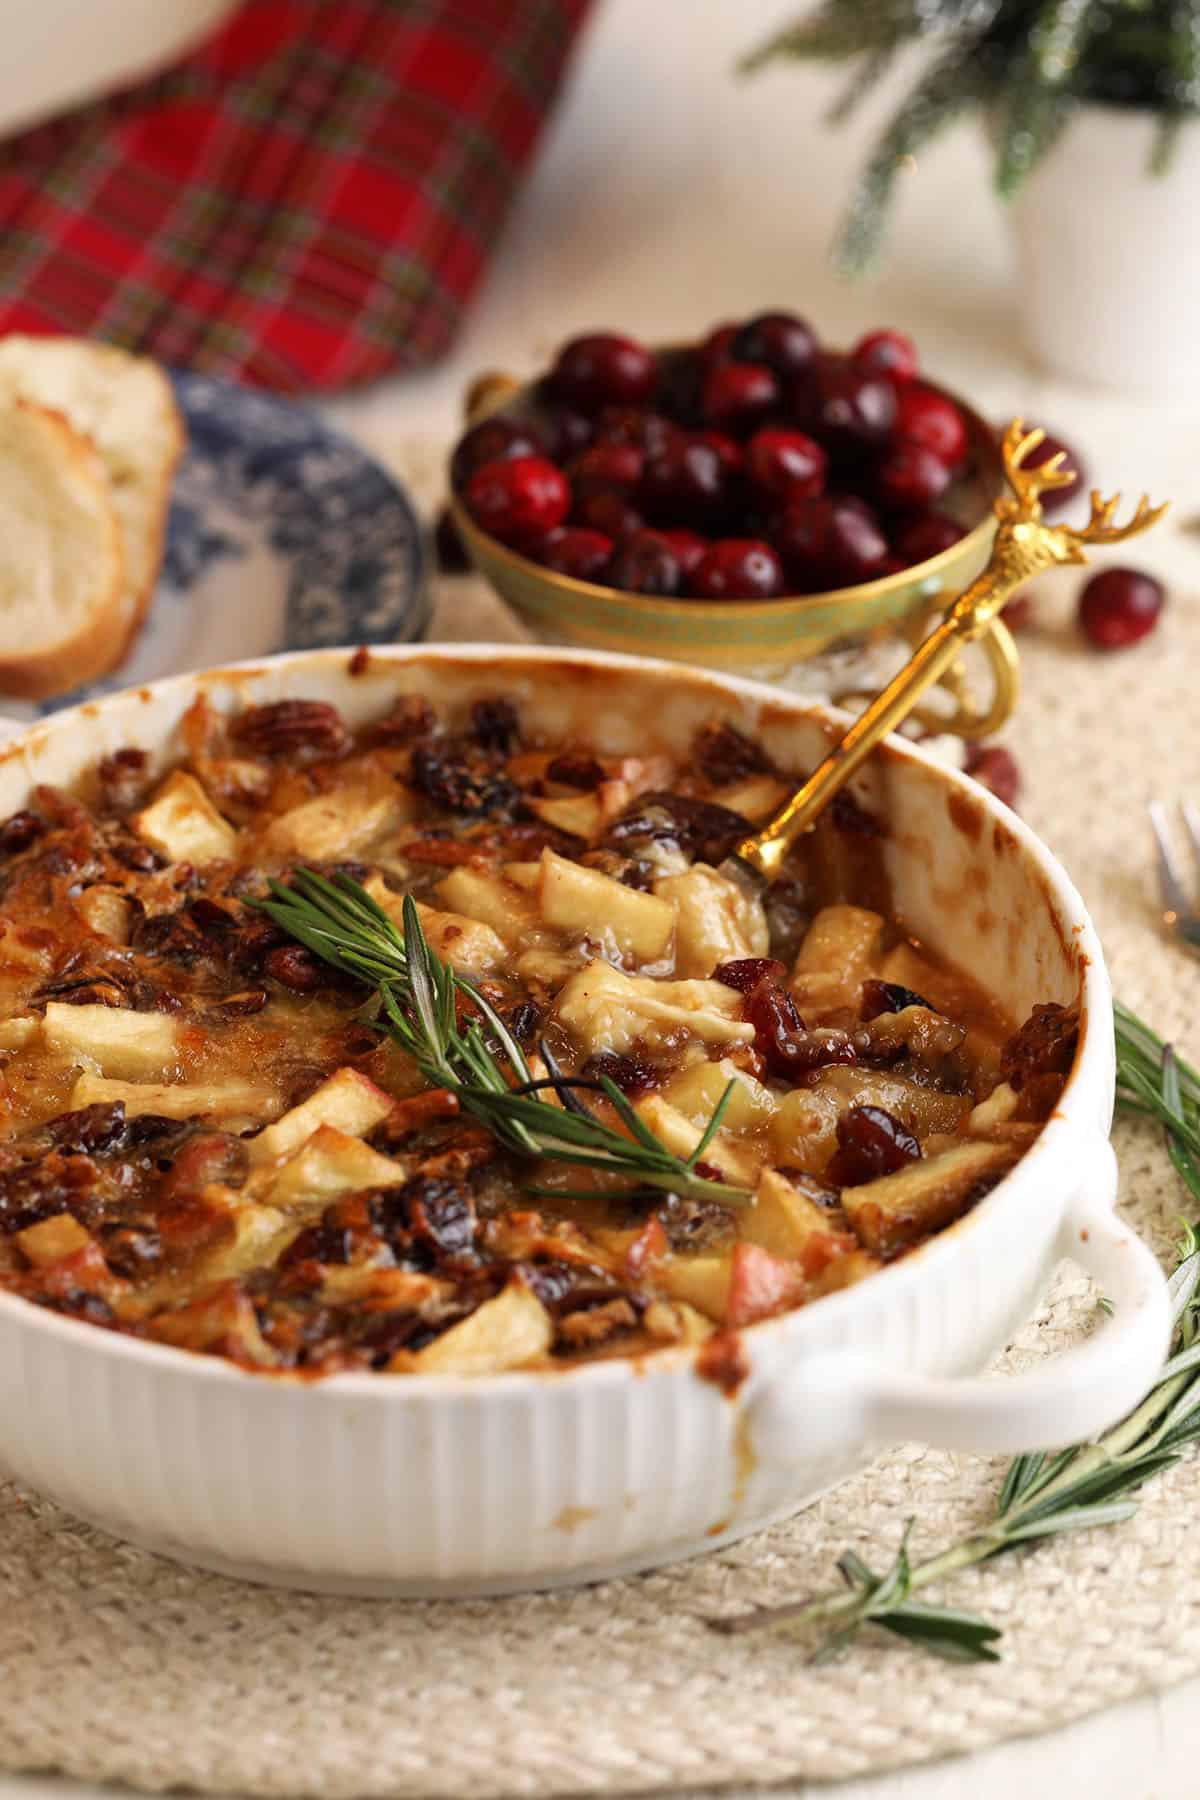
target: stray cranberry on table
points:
(996, 768)
(1118, 607)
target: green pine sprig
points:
(1044, 1495)
(459, 1041)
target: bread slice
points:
(126, 405)
(63, 613)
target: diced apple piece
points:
(365, 1285)
(675, 1322)
(492, 900)
(679, 1134)
(546, 969)
(837, 954)
(182, 823)
(997, 1109)
(526, 875)
(503, 1333)
(782, 1219)
(28, 947)
(225, 1321)
(468, 945)
(803, 1132)
(717, 921)
(843, 1271)
(260, 1236)
(183, 1100)
(118, 1042)
(51, 1239)
(338, 823)
(697, 1091)
(921, 1198)
(923, 1110)
(755, 798)
(16, 1033)
(579, 815)
(592, 905)
(698, 1281)
(106, 912)
(346, 1100)
(760, 1285)
(608, 1010)
(330, 1163)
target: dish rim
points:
(1065, 1122)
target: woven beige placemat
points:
(116, 1664)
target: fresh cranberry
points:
(871, 1142)
(1053, 500)
(778, 340)
(492, 440)
(738, 569)
(681, 387)
(687, 547)
(1019, 613)
(518, 499)
(568, 433)
(786, 464)
(687, 480)
(829, 542)
(718, 345)
(738, 395)
(887, 353)
(601, 369)
(911, 475)
(575, 551)
(994, 767)
(648, 431)
(729, 451)
(609, 513)
(745, 972)
(606, 468)
(926, 535)
(645, 564)
(924, 416)
(451, 552)
(850, 412)
(1119, 606)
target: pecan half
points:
(285, 727)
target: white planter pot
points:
(1110, 256)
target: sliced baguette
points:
(63, 616)
(126, 406)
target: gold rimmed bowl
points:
(751, 636)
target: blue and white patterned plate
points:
(283, 535)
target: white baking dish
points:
(419, 1485)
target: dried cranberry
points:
(744, 974)
(19, 831)
(459, 781)
(995, 768)
(829, 542)
(1045, 1045)
(888, 997)
(582, 772)
(519, 499)
(644, 564)
(131, 1249)
(452, 555)
(849, 815)
(630, 1073)
(90, 1129)
(606, 468)
(492, 440)
(739, 395)
(887, 353)
(722, 754)
(602, 369)
(441, 1215)
(871, 1142)
(411, 717)
(495, 725)
(738, 569)
(294, 967)
(923, 416)
(786, 464)
(911, 475)
(524, 1020)
(778, 340)
(925, 535)
(789, 1051)
(700, 827)
(575, 551)
(1118, 607)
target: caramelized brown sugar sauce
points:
(205, 1142)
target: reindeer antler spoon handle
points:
(1024, 546)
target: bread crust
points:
(98, 644)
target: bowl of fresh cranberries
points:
(746, 501)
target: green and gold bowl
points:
(763, 636)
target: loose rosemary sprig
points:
(1045, 1494)
(477, 1057)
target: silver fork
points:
(1181, 914)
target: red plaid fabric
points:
(306, 202)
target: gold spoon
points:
(1024, 546)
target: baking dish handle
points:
(836, 1396)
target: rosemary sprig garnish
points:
(459, 1041)
(1044, 1494)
